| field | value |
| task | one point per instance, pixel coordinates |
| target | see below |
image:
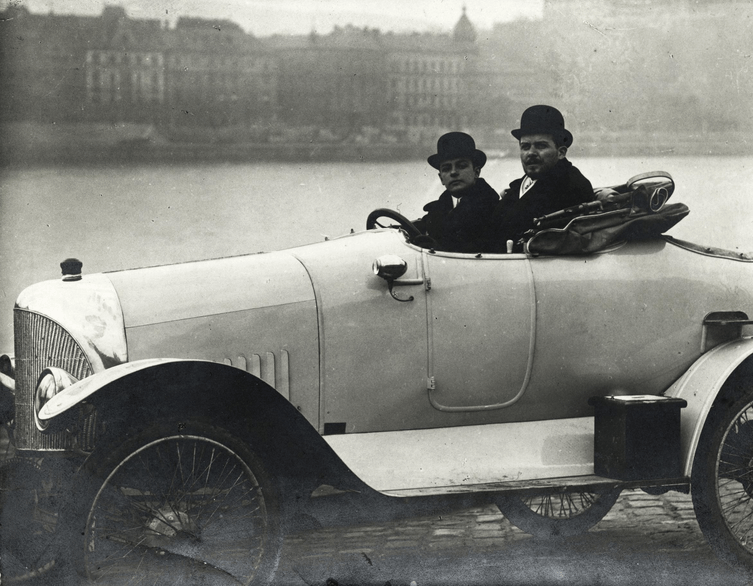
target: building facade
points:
(211, 74)
(124, 68)
(612, 66)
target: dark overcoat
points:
(563, 187)
(461, 227)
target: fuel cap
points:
(71, 269)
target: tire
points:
(184, 503)
(561, 514)
(722, 482)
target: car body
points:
(371, 365)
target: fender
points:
(129, 396)
(700, 386)
(83, 389)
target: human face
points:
(457, 175)
(539, 154)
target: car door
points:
(481, 314)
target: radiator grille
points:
(40, 342)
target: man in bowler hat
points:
(458, 220)
(550, 183)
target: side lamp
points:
(391, 267)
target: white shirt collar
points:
(526, 184)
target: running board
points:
(590, 483)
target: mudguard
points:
(700, 386)
(131, 395)
(83, 389)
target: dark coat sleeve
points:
(432, 223)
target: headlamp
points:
(51, 382)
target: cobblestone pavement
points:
(644, 540)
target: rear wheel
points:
(722, 481)
(559, 514)
(179, 504)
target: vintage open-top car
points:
(205, 408)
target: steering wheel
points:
(405, 223)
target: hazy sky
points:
(265, 17)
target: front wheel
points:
(178, 504)
(560, 514)
(722, 482)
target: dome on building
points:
(464, 31)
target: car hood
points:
(98, 310)
(199, 289)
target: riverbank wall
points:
(59, 143)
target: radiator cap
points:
(71, 269)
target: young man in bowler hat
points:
(458, 220)
(550, 183)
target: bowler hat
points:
(457, 145)
(544, 120)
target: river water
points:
(117, 217)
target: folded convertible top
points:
(636, 210)
(591, 233)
